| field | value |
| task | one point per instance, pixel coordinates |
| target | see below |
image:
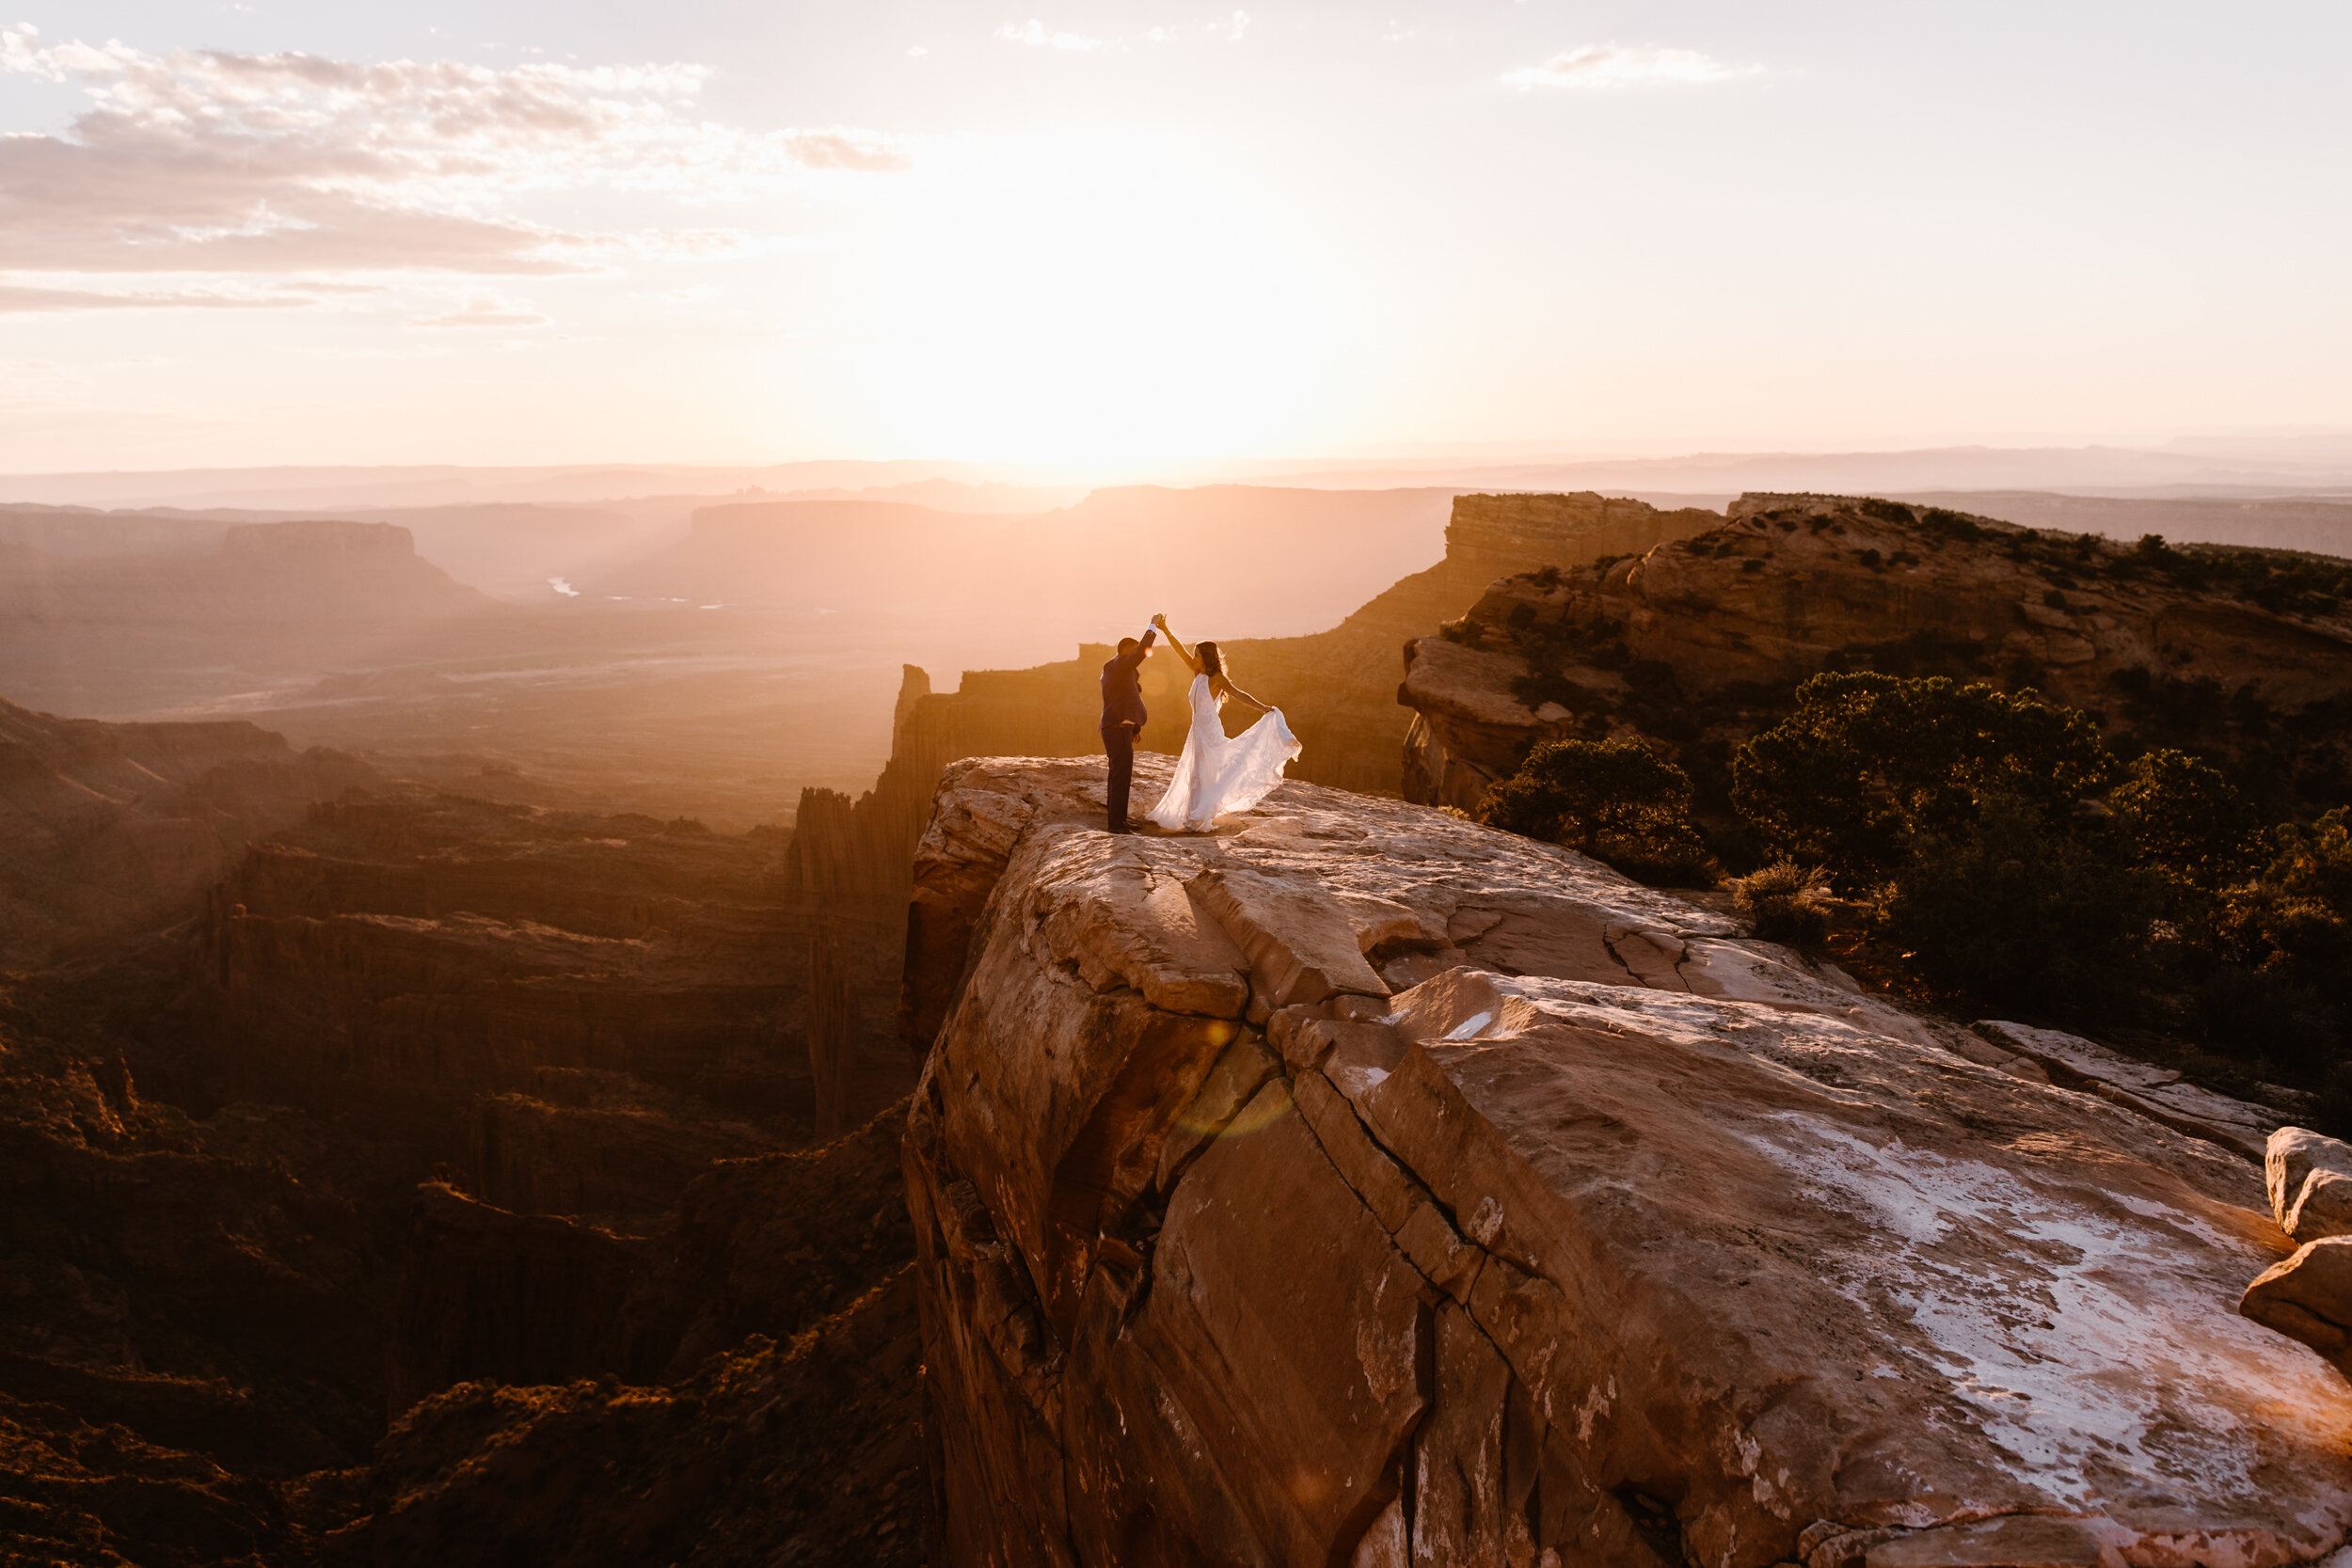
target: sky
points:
(525, 231)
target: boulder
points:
(2310, 1179)
(2308, 1297)
(1300, 943)
(1584, 1263)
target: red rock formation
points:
(506, 1298)
(276, 602)
(186, 1306)
(1314, 555)
(605, 1146)
(299, 572)
(579, 1012)
(1338, 687)
(2172, 649)
(1545, 1218)
(112, 830)
(738, 1390)
(800, 1450)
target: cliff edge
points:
(2241, 655)
(1358, 1186)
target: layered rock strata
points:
(848, 858)
(111, 831)
(273, 602)
(576, 1014)
(1357, 1185)
(739, 1388)
(186, 1306)
(1699, 642)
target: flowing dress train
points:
(1217, 776)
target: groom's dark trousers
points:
(1119, 744)
(1124, 717)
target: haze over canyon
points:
(1729, 942)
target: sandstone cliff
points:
(187, 1305)
(273, 602)
(2239, 654)
(108, 831)
(1313, 556)
(205, 1319)
(1357, 1185)
(576, 1013)
(848, 858)
(738, 1390)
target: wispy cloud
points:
(484, 312)
(1232, 28)
(1618, 64)
(17, 299)
(200, 162)
(1037, 36)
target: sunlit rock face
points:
(1359, 1185)
(1338, 688)
(1699, 641)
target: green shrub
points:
(2020, 911)
(1616, 800)
(1785, 902)
(1870, 762)
(2179, 817)
(2334, 1116)
(2295, 920)
(2260, 1014)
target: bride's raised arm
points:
(1178, 643)
(1232, 691)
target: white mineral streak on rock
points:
(2087, 1346)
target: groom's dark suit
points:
(1124, 717)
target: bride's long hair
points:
(1212, 662)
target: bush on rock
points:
(1616, 800)
(1785, 902)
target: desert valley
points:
(1521, 786)
(460, 1110)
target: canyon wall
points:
(2241, 655)
(1338, 688)
(187, 1303)
(1357, 1185)
(271, 603)
(112, 831)
(575, 1014)
(736, 1389)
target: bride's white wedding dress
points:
(1217, 776)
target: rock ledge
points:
(1557, 1222)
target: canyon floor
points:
(491, 1128)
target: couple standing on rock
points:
(1216, 775)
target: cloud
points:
(1232, 29)
(484, 312)
(1617, 65)
(25, 299)
(197, 162)
(1036, 35)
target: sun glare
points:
(1082, 298)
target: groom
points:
(1124, 717)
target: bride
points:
(1217, 776)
